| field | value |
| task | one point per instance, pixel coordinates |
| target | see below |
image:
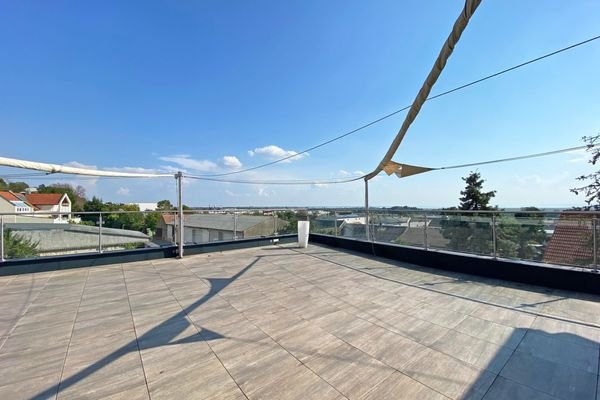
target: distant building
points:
(57, 203)
(11, 203)
(145, 206)
(35, 207)
(202, 228)
(572, 241)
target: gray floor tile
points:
(399, 386)
(555, 379)
(503, 389)
(361, 336)
(555, 347)
(477, 352)
(448, 376)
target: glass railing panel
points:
(462, 232)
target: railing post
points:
(595, 246)
(425, 232)
(100, 233)
(494, 237)
(335, 222)
(234, 225)
(274, 223)
(179, 177)
(2, 238)
(367, 230)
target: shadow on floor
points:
(460, 278)
(542, 366)
(160, 335)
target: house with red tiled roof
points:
(572, 241)
(58, 204)
(13, 203)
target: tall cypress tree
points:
(473, 197)
(470, 232)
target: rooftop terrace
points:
(285, 323)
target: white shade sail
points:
(65, 169)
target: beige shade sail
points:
(404, 170)
(459, 26)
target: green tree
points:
(473, 197)
(93, 205)
(16, 187)
(470, 232)
(164, 205)
(77, 194)
(16, 246)
(591, 191)
(151, 221)
(520, 235)
(531, 236)
(292, 221)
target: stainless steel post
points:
(335, 222)
(100, 233)
(494, 236)
(1, 238)
(179, 177)
(274, 223)
(595, 245)
(367, 230)
(425, 231)
(234, 225)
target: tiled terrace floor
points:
(283, 324)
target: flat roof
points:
(285, 323)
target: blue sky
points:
(181, 85)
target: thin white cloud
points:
(262, 191)
(541, 181)
(88, 182)
(581, 156)
(319, 185)
(123, 191)
(232, 162)
(273, 152)
(171, 169)
(231, 194)
(185, 161)
(77, 164)
(359, 173)
(135, 170)
(344, 172)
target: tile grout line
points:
(512, 350)
(340, 339)
(360, 350)
(87, 276)
(24, 310)
(507, 361)
(533, 314)
(196, 328)
(390, 328)
(137, 344)
(275, 341)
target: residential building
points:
(11, 203)
(572, 241)
(57, 203)
(201, 228)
